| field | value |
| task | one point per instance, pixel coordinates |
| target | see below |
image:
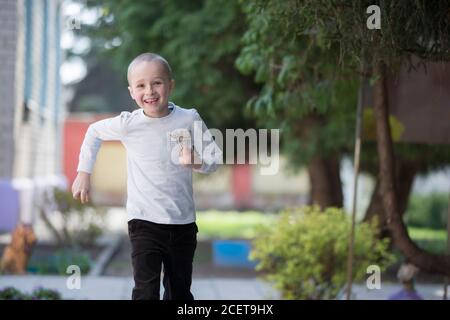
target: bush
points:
(11, 293)
(45, 294)
(59, 261)
(305, 252)
(72, 223)
(65, 258)
(428, 211)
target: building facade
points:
(31, 108)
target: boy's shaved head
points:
(149, 57)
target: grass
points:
(432, 240)
(231, 224)
(214, 224)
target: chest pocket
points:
(174, 141)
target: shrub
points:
(11, 293)
(65, 258)
(59, 261)
(428, 211)
(72, 223)
(304, 252)
(45, 294)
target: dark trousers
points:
(172, 245)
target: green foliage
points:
(304, 93)
(420, 27)
(11, 293)
(58, 262)
(428, 211)
(305, 252)
(200, 39)
(306, 53)
(302, 55)
(93, 103)
(369, 130)
(231, 224)
(64, 258)
(434, 241)
(45, 294)
(80, 223)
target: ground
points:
(120, 264)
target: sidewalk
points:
(97, 287)
(120, 288)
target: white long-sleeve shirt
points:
(158, 188)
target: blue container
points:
(232, 253)
(9, 199)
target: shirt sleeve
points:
(205, 145)
(103, 130)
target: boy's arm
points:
(207, 155)
(107, 129)
(82, 186)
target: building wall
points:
(30, 104)
(37, 139)
(8, 51)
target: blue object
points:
(9, 206)
(406, 295)
(232, 253)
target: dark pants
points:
(172, 245)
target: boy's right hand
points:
(81, 187)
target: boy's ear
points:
(172, 85)
(131, 92)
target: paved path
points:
(119, 288)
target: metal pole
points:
(358, 134)
(446, 279)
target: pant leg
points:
(178, 262)
(147, 247)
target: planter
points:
(232, 253)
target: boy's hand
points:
(81, 187)
(187, 156)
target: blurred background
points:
(241, 65)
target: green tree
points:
(303, 92)
(409, 28)
(200, 39)
(309, 88)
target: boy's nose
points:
(149, 90)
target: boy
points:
(160, 161)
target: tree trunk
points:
(417, 256)
(405, 172)
(325, 181)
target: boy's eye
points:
(158, 82)
(140, 85)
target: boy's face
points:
(150, 87)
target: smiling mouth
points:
(151, 101)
